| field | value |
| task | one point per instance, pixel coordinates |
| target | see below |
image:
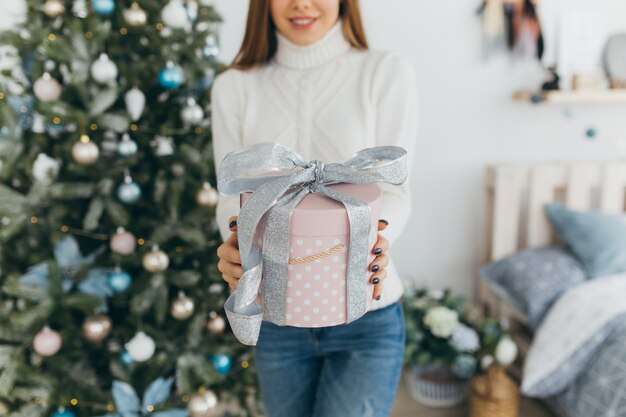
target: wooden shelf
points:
(608, 96)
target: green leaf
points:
(14, 288)
(8, 376)
(71, 191)
(29, 410)
(36, 314)
(80, 301)
(196, 331)
(11, 201)
(117, 213)
(193, 236)
(94, 212)
(184, 279)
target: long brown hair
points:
(259, 43)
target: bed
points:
(516, 220)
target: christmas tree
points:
(111, 302)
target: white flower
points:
(486, 361)
(436, 294)
(45, 169)
(465, 339)
(442, 321)
(506, 351)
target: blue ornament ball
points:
(129, 192)
(119, 281)
(171, 77)
(63, 413)
(125, 358)
(221, 363)
(103, 7)
(591, 133)
(127, 147)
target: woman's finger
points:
(378, 277)
(382, 224)
(381, 245)
(378, 287)
(232, 281)
(379, 263)
(232, 223)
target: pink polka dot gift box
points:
(306, 231)
(319, 239)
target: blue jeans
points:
(347, 370)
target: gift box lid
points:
(320, 215)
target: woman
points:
(304, 77)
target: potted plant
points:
(447, 343)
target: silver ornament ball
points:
(53, 8)
(182, 307)
(156, 260)
(203, 404)
(85, 152)
(97, 328)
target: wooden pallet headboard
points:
(515, 216)
(516, 195)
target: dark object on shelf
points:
(552, 84)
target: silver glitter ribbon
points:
(279, 179)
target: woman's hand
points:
(230, 261)
(378, 265)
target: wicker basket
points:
(435, 387)
(494, 395)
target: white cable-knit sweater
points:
(325, 101)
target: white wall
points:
(467, 120)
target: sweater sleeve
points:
(395, 97)
(227, 136)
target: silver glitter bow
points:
(279, 179)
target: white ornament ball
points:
(47, 342)
(97, 328)
(207, 196)
(85, 152)
(216, 323)
(54, 8)
(135, 16)
(182, 307)
(203, 404)
(174, 15)
(47, 88)
(45, 169)
(156, 260)
(135, 101)
(506, 351)
(123, 242)
(192, 113)
(141, 347)
(103, 70)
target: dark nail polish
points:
(375, 281)
(378, 251)
(375, 268)
(232, 224)
(378, 298)
(383, 220)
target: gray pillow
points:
(533, 279)
(598, 240)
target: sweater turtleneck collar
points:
(331, 45)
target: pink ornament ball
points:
(47, 342)
(123, 242)
(47, 88)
